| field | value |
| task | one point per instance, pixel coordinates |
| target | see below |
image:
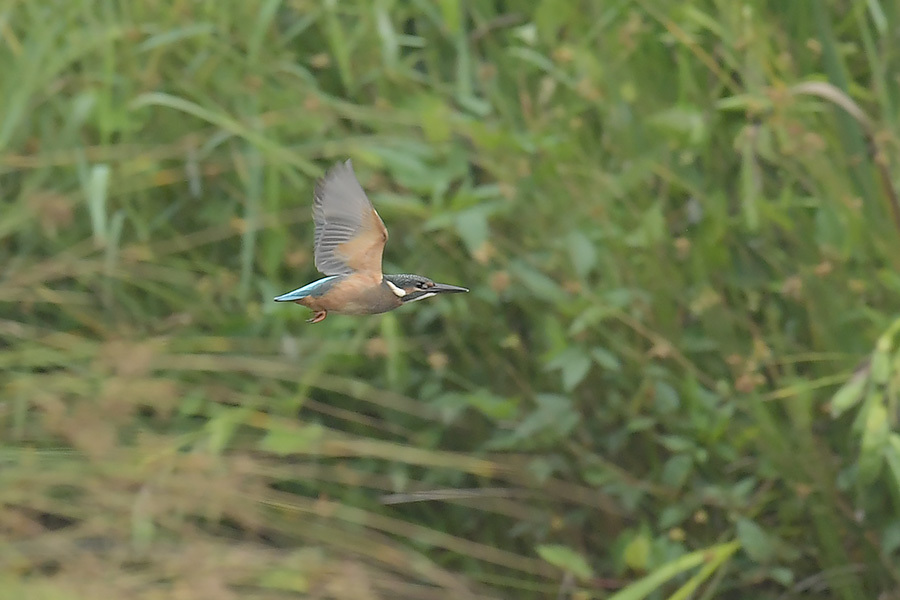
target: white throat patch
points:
(397, 291)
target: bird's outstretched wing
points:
(350, 236)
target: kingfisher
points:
(348, 243)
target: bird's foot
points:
(319, 316)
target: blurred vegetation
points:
(676, 374)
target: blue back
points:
(315, 289)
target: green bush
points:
(676, 374)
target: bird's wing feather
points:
(350, 236)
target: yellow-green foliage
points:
(679, 225)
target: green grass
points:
(676, 375)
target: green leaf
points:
(651, 230)
(591, 317)
(606, 359)
(750, 181)
(673, 515)
(665, 398)
(451, 15)
(472, 226)
(684, 124)
(554, 415)
(890, 537)
(849, 395)
(881, 365)
(223, 426)
(646, 586)
(744, 103)
(637, 552)
(407, 165)
(96, 191)
(756, 542)
(390, 46)
(676, 470)
(705, 572)
(573, 364)
(538, 284)
(566, 559)
(574, 371)
(281, 579)
(876, 434)
(491, 405)
(284, 440)
(582, 252)
(892, 459)
(435, 120)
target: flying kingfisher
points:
(348, 243)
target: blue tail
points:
(316, 288)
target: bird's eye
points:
(422, 285)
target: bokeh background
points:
(676, 375)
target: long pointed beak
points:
(445, 288)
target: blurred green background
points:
(676, 375)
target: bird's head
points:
(409, 288)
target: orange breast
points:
(358, 294)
